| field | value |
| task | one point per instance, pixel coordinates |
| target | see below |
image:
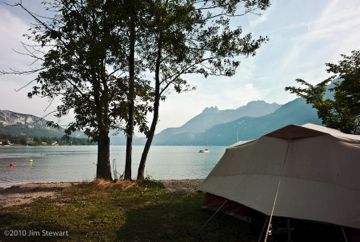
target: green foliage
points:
(37, 141)
(85, 59)
(21, 141)
(23, 131)
(193, 37)
(47, 140)
(85, 55)
(342, 112)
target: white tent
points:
(306, 172)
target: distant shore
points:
(25, 193)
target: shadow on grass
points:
(13, 229)
(43, 219)
(180, 219)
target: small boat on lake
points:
(206, 150)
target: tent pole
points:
(277, 191)
(288, 229)
(262, 231)
(342, 229)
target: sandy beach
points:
(25, 193)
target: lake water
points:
(75, 163)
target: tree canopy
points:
(83, 55)
(193, 37)
(343, 110)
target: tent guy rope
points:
(277, 191)
(211, 217)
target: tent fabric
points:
(294, 132)
(314, 170)
(311, 130)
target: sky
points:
(304, 35)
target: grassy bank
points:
(123, 211)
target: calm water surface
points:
(75, 163)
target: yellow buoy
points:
(31, 160)
(94, 162)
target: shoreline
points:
(4, 187)
(25, 193)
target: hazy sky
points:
(304, 35)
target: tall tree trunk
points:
(102, 103)
(129, 139)
(103, 167)
(151, 134)
(131, 97)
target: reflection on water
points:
(75, 163)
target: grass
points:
(134, 211)
(123, 211)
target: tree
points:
(83, 56)
(22, 141)
(128, 13)
(47, 140)
(193, 37)
(37, 140)
(343, 111)
(128, 16)
(131, 6)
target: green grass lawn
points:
(122, 211)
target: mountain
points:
(294, 112)
(27, 125)
(213, 116)
(265, 118)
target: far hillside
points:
(27, 125)
(245, 128)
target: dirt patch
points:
(189, 185)
(25, 193)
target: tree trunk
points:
(129, 139)
(131, 97)
(151, 134)
(103, 167)
(149, 140)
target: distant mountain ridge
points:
(27, 125)
(212, 116)
(11, 118)
(245, 128)
(295, 112)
